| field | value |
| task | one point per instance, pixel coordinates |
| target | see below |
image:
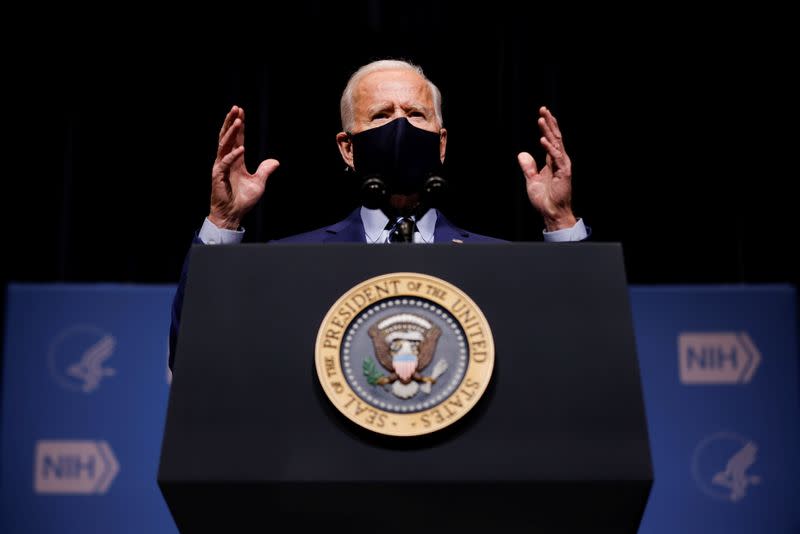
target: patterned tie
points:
(402, 231)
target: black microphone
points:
(374, 193)
(434, 191)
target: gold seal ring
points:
(404, 354)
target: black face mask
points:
(401, 155)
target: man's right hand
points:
(234, 191)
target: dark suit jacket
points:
(349, 230)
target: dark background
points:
(681, 128)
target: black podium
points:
(558, 442)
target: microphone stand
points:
(405, 230)
(375, 194)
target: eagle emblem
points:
(405, 345)
(735, 476)
(395, 348)
(89, 369)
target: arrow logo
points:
(717, 358)
(74, 467)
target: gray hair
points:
(346, 104)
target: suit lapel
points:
(349, 230)
(446, 232)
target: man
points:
(392, 129)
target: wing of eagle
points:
(428, 347)
(742, 460)
(382, 351)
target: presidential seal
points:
(404, 354)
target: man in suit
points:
(393, 128)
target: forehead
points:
(392, 86)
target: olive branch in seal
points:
(371, 372)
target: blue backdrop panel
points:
(85, 391)
(720, 379)
(84, 398)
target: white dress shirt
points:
(376, 222)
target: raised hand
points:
(234, 191)
(550, 189)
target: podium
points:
(557, 443)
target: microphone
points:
(434, 190)
(374, 193)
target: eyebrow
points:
(381, 106)
(418, 107)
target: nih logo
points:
(717, 357)
(74, 467)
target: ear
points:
(345, 148)
(442, 143)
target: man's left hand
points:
(550, 189)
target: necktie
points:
(402, 231)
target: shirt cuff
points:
(211, 235)
(576, 233)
